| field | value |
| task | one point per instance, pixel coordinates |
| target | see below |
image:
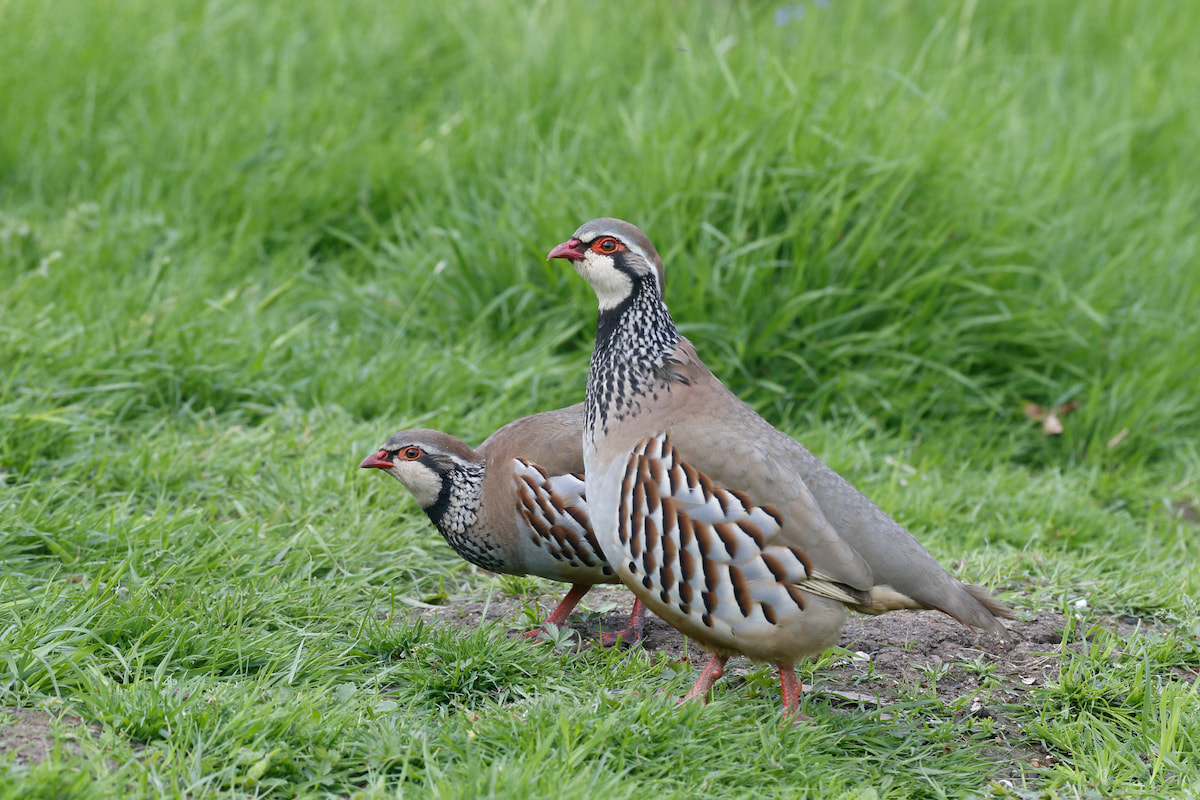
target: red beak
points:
(380, 460)
(568, 250)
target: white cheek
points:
(422, 482)
(609, 283)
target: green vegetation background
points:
(241, 243)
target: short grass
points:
(241, 243)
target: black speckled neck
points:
(634, 341)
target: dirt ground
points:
(896, 649)
(891, 657)
(28, 736)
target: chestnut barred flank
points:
(557, 522)
(685, 537)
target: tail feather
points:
(973, 606)
(884, 599)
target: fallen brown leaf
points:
(1051, 422)
(1051, 426)
(1034, 412)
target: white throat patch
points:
(423, 483)
(609, 283)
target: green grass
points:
(242, 243)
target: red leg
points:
(790, 688)
(578, 590)
(712, 671)
(632, 634)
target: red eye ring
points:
(607, 246)
(411, 453)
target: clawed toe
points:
(626, 638)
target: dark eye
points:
(606, 245)
(411, 453)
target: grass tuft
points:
(241, 245)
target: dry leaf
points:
(1051, 422)
(844, 694)
(1116, 440)
(855, 697)
(1051, 426)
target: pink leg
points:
(578, 590)
(633, 629)
(712, 671)
(790, 688)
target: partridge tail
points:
(971, 605)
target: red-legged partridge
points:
(722, 525)
(516, 505)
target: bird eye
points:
(606, 245)
(411, 454)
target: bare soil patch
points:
(28, 736)
(891, 652)
(893, 657)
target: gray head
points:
(614, 257)
(445, 477)
(425, 461)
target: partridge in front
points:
(516, 506)
(724, 526)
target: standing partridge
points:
(516, 506)
(724, 526)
